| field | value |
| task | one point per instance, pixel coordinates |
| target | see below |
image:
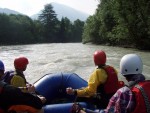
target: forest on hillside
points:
(115, 22)
(120, 23)
(21, 29)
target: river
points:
(66, 58)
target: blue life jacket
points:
(7, 76)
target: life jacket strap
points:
(146, 100)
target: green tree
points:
(77, 30)
(22, 29)
(89, 30)
(62, 31)
(38, 31)
(4, 28)
(120, 22)
(16, 29)
(50, 22)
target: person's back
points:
(97, 83)
(14, 98)
(134, 98)
(10, 95)
(17, 77)
(19, 80)
(105, 89)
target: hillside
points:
(60, 10)
(66, 11)
(8, 11)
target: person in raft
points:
(17, 77)
(102, 84)
(134, 97)
(13, 99)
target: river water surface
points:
(66, 57)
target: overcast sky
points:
(30, 7)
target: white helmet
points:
(131, 64)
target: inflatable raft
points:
(53, 87)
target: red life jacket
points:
(109, 88)
(112, 84)
(21, 108)
(142, 96)
(1, 111)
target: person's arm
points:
(98, 77)
(122, 101)
(31, 88)
(20, 82)
(14, 96)
(112, 106)
(91, 111)
(32, 100)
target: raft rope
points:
(42, 77)
(62, 83)
(146, 99)
(23, 88)
(75, 107)
(75, 100)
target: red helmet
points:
(99, 57)
(21, 63)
